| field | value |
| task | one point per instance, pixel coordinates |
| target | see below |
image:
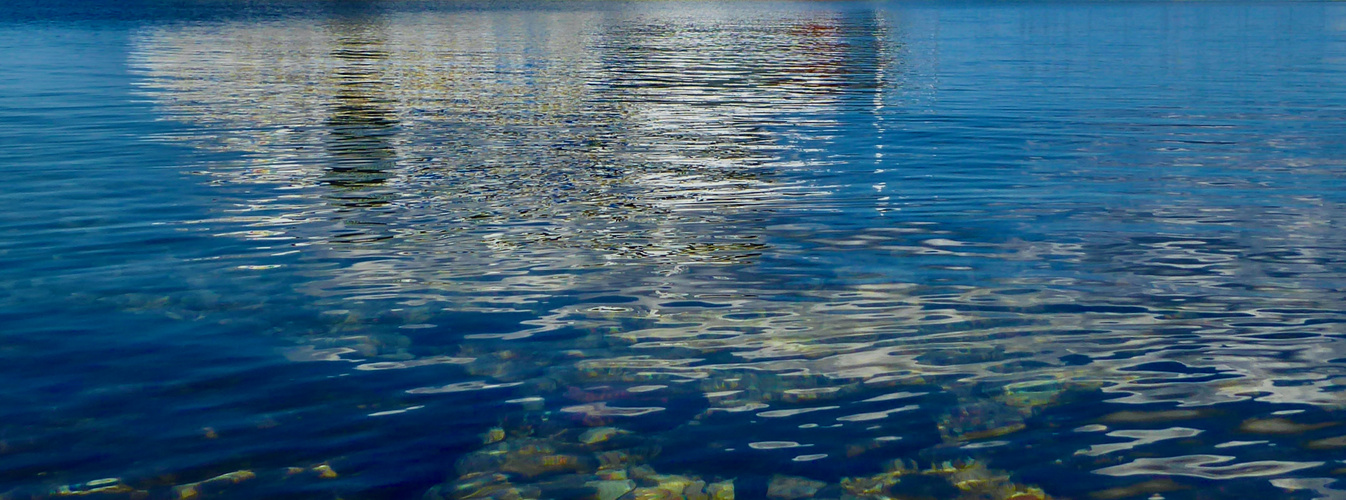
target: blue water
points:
(380, 249)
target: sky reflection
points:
(785, 215)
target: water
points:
(582, 250)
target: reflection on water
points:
(504, 152)
(794, 246)
(362, 120)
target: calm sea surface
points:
(930, 250)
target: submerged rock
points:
(212, 485)
(723, 490)
(600, 434)
(566, 465)
(792, 487)
(675, 487)
(98, 488)
(324, 471)
(545, 464)
(494, 435)
(526, 457)
(591, 465)
(962, 480)
(981, 420)
(482, 486)
(612, 490)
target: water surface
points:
(379, 249)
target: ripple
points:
(877, 415)
(1202, 466)
(1140, 438)
(396, 412)
(726, 221)
(398, 365)
(311, 353)
(793, 412)
(603, 410)
(809, 458)
(462, 387)
(775, 445)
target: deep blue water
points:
(364, 249)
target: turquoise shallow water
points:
(360, 249)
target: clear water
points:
(326, 247)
